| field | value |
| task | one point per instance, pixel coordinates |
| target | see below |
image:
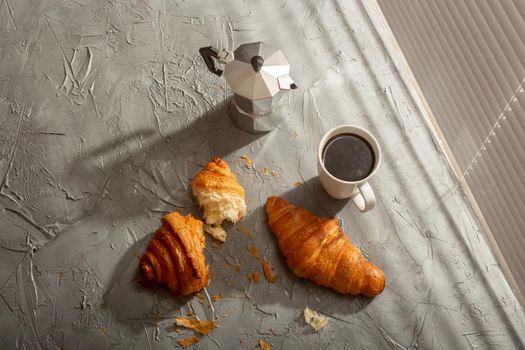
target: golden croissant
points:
(317, 249)
(174, 256)
(219, 193)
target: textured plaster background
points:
(107, 112)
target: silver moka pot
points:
(258, 74)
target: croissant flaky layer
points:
(219, 193)
(175, 256)
(317, 249)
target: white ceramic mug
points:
(360, 191)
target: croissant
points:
(317, 249)
(219, 193)
(174, 256)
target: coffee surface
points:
(348, 157)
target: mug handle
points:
(364, 197)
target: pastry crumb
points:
(254, 277)
(248, 163)
(298, 184)
(216, 231)
(315, 319)
(265, 171)
(216, 297)
(268, 273)
(188, 341)
(254, 251)
(264, 345)
(245, 230)
(203, 327)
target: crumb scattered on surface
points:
(179, 329)
(264, 171)
(216, 232)
(315, 319)
(254, 277)
(189, 313)
(216, 297)
(268, 273)
(240, 340)
(188, 341)
(254, 251)
(264, 345)
(237, 267)
(248, 163)
(200, 326)
(245, 230)
(298, 184)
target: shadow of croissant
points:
(129, 302)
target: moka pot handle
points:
(210, 55)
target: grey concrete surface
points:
(106, 114)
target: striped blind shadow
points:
(468, 58)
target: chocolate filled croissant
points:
(174, 256)
(317, 249)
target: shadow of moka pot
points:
(259, 76)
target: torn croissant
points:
(174, 256)
(219, 193)
(317, 249)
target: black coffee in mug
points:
(348, 157)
